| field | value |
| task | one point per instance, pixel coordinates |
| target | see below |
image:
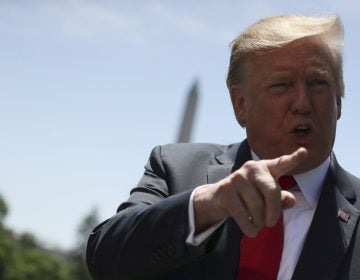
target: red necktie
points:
(260, 256)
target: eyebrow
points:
(278, 75)
(321, 71)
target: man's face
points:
(289, 99)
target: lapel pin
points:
(343, 216)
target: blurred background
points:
(88, 87)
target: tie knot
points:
(286, 182)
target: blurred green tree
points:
(80, 271)
(3, 209)
(22, 257)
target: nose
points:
(301, 99)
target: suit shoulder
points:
(355, 181)
(184, 153)
(347, 183)
(349, 177)
(198, 149)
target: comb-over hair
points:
(278, 31)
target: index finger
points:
(286, 163)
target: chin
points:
(313, 160)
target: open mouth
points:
(302, 130)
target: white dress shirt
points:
(297, 219)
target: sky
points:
(89, 87)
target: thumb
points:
(287, 199)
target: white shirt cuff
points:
(197, 239)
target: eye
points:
(279, 87)
(319, 84)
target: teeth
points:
(301, 128)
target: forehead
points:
(301, 55)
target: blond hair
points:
(274, 32)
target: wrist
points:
(206, 211)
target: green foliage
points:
(23, 258)
(3, 209)
(86, 226)
(80, 270)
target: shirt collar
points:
(309, 182)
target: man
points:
(206, 211)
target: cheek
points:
(273, 115)
(330, 106)
(266, 124)
(328, 116)
(267, 115)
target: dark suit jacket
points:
(146, 238)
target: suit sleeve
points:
(146, 238)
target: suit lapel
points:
(222, 262)
(228, 162)
(331, 229)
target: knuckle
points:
(225, 182)
(273, 193)
(251, 165)
(269, 188)
(256, 204)
(234, 181)
(237, 176)
(272, 189)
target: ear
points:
(238, 102)
(339, 105)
